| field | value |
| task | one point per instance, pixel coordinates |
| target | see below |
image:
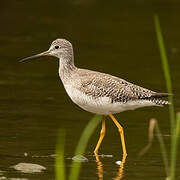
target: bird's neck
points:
(66, 67)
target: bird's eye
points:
(56, 47)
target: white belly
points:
(102, 105)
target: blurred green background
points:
(116, 37)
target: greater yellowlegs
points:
(97, 92)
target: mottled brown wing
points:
(104, 85)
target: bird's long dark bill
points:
(46, 53)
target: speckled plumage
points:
(90, 89)
(98, 84)
(116, 92)
(97, 92)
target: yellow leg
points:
(102, 134)
(120, 128)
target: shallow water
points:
(112, 37)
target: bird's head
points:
(59, 48)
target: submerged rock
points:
(3, 178)
(29, 167)
(79, 158)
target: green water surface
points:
(116, 37)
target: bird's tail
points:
(160, 102)
(160, 95)
(155, 97)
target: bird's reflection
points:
(100, 168)
(121, 169)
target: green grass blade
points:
(175, 143)
(169, 88)
(80, 149)
(59, 164)
(166, 70)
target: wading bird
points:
(97, 92)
